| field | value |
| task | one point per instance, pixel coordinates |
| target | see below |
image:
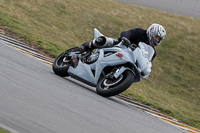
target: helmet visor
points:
(157, 39)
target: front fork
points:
(120, 70)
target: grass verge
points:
(3, 131)
(173, 86)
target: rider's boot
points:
(85, 47)
(96, 43)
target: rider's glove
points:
(115, 41)
(126, 42)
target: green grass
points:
(173, 86)
(3, 131)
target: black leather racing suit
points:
(135, 36)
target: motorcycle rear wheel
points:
(121, 84)
(59, 66)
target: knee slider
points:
(100, 41)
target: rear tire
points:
(59, 67)
(121, 85)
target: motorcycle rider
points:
(152, 36)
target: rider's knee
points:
(102, 42)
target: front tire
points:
(106, 89)
(59, 66)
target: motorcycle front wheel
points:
(62, 62)
(107, 87)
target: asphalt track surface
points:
(34, 100)
(190, 8)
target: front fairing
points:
(121, 55)
(91, 72)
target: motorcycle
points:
(111, 70)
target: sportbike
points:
(111, 70)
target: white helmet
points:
(156, 30)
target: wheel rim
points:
(63, 61)
(107, 83)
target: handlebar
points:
(126, 42)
